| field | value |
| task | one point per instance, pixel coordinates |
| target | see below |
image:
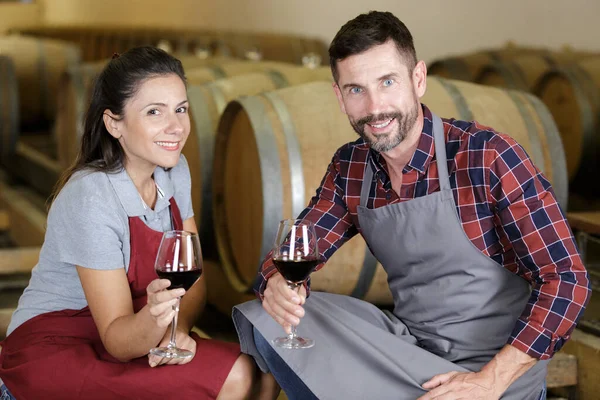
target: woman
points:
(94, 306)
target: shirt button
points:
(388, 196)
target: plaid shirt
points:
(507, 208)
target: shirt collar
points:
(422, 156)
(130, 198)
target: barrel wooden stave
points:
(471, 66)
(9, 110)
(572, 94)
(523, 117)
(39, 63)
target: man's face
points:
(379, 94)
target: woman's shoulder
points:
(84, 189)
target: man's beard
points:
(386, 142)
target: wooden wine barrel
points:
(219, 291)
(275, 47)
(522, 73)
(73, 100)
(572, 94)
(470, 67)
(270, 159)
(229, 68)
(39, 63)
(207, 103)
(9, 110)
(518, 114)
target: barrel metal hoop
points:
(4, 118)
(76, 74)
(277, 78)
(10, 135)
(587, 100)
(293, 151)
(518, 76)
(536, 145)
(218, 97)
(270, 171)
(13, 96)
(560, 178)
(206, 144)
(217, 71)
(464, 112)
(44, 78)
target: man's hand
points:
(488, 384)
(463, 385)
(282, 303)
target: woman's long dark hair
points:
(117, 83)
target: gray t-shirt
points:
(88, 226)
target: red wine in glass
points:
(295, 255)
(296, 271)
(180, 279)
(179, 259)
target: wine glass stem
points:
(296, 288)
(174, 324)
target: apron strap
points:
(440, 152)
(442, 163)
(366, 184)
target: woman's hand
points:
(161, 301)
(183, 340)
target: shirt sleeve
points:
(85, 224)
(333, 223)
(547, 256)
(182, 183)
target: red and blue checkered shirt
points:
(507, 209)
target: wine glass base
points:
(171, 352)
(293, 343)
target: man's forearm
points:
(508, 365)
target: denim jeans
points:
(4, 393)
(290, 383)
(544, 392)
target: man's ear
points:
(420, 78)
(338, 94)
(111, 121)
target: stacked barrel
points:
(567, 81)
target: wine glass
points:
(295, 254)
(179, 259)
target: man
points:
(485, 274)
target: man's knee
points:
(262, 345)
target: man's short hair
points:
(368, 30)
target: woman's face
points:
(155, 124)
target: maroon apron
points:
(60, 355)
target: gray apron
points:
(454, 307)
